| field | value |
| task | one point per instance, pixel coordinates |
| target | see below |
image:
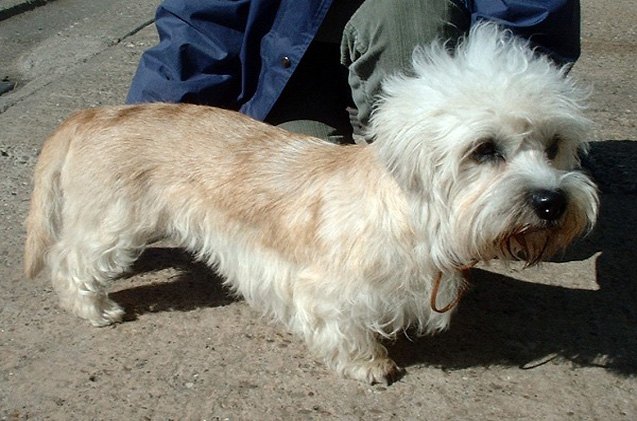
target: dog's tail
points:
(44, 221)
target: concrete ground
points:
(551, 343)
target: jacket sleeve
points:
(198, 58)
(552, 25)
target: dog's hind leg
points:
(80, 271)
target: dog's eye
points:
(487, 151)
(553, 149)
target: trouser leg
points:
(379, 39)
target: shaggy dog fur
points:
(475, 157)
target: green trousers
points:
(332, 93)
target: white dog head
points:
(486, 139)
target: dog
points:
(475, 157)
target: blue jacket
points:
(240, 54)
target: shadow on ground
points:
(193, 286)
(502, 321)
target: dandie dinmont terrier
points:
(475, 157)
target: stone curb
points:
(9, 8)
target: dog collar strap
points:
(461, 291)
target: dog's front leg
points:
(352, 351)
(336, 327)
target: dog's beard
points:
(497, 221)
(528, 243)
(533, 245)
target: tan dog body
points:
(298, 226)
(475, 157)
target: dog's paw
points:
(99, 313)
(95, 307)
(110, 313)
(378, 371)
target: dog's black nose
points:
(548, 204)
